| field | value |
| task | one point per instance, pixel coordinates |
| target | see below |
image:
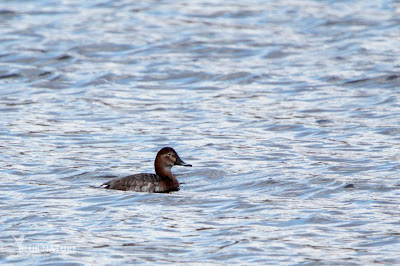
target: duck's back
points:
(139, 182)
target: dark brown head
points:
(166, 158)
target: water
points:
(288, 111)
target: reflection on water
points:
(287, 110)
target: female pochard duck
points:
(161, 182)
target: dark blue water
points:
(289, 112)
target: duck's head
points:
(168, 157)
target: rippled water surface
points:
(288, 110)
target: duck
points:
(163, 181)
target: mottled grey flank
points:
(139, 182)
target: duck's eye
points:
(169, 154)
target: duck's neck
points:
(164, 172)
(170, 182)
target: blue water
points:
(289, 112)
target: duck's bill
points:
(182, 163)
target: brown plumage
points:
(161, 182)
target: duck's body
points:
(161, 182)
(143, 182)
